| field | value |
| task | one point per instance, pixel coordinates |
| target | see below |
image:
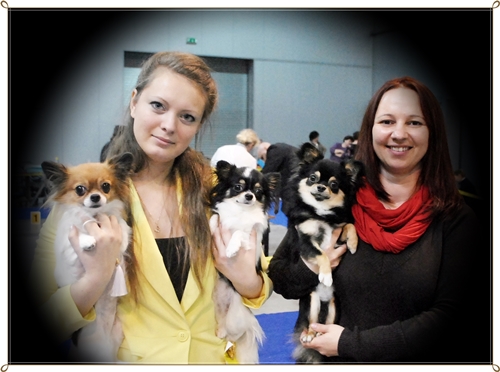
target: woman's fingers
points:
(335, 255)
(98, 244)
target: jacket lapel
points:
(192, 292)
(149, 256)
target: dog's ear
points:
(274, 182)
(56, 173)
(355, 171)
(122, 164)
(309, 154)
(223, 169)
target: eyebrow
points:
(391, 115)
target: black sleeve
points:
(290, 275)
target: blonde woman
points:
(240, 153)
(168, 315)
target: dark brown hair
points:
(191, 168)
(437, 170)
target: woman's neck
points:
(154, 174)
(399, 188)
(159, 201)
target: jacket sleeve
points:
(267, 288)
(56, 307)
(290, 275)
(453, 319)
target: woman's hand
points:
(239, 269)
(334, 253)
(99, 263)
(327, 343)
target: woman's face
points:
(400, 133)
(167, 115)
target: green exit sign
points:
(191, 40)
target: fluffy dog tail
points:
(247, 346)
(244, 330)
(237, 323)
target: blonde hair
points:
(247, 137)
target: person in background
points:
(468, 191)
(239, 154)
(463, 183)
(168, 315)
(402, 297)
(282, 157)
(314, 139)
(354, 144)
(262, 154)
(341, 150)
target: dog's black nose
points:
(321, 188)
(95, 198)
(248, 196)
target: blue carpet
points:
(277, 347)
(279, 218)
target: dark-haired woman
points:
(411, 291)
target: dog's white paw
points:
(87, 242)
(307, 338)
(232, 249)
(234, 244)
(326, 279)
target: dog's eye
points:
(80, 190)
(238, 187)
(313, 178)
(334, 186)
(258, 191)
(105, 187)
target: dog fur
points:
(240, 200)
(320, 194)
(82, 192)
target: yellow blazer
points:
(158, 329)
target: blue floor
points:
(278, 218)
(277, 347)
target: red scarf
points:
(390, 230)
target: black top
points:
(172, 250)
(429, 303)
(282, 158)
